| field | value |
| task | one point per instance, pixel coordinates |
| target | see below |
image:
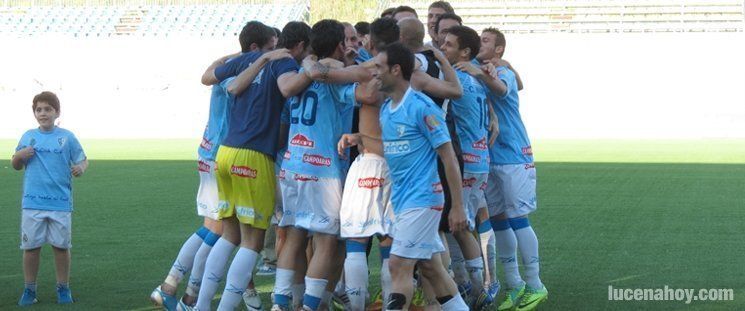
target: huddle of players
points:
(281, 125)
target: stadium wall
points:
(636, 86)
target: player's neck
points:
(398, 92)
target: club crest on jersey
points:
(32, 142)
(243, 171)
(480, 145)
(437, 187)
(401, 129)
(469, 182)
(528, 150)
(206, 144)
(370, 182)
(302, 141)
(61, 141)
(432, 122)
(316, 160)
(203, 167)
(299, 177)
(471, 158)
(395, 147)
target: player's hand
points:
(491, 70)
(470, 69)
(77, 170)
(346, 141)
(276, 54)
(349, 55)
(457, 218)
(26, 153)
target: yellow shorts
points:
(246, 186)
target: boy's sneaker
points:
(494, 290)
(155, 297)
(252, 300)
(160, 298)
(265, 270)
(483, 301)
(532, 297)
(279, 308)
(28, 298)
(511, 299)
(64, 296)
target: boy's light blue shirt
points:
(47, 181)
(217, 124)
(512, 145)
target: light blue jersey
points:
(512, 145)
(47, 181)
(471, 115)
(318, 118)
(411, 133)
(217, 124)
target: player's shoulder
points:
(420, 101)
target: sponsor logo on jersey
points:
(483, 186)
(316, 160)
(480, 145)
(300, 177)
(529, 166)
(437, 187)
(395, 147)
(206, 144)
(302, 141)
(287, 155)
(431, 122)
(528, 150)
(370, 182)
(469, 182)
(471, 158)
(203, 167)
(243, 171)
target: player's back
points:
(318, 118)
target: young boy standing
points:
(51, 156)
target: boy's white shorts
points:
(40, 227)
(310, 202)
(207, 197)
(511, 189)
(366, 208)
(415, 233)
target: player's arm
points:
(21, 157)
(367, 93)
(507, 64)
(493, 123)
(77, 170)
(449, 87)
(457, 218)
(324, 73)
(243, 80)
(484, 74)
(208, 77)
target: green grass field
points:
(630, 214)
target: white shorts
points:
(415, 233)
(207, 197)
(40, 227)
(311, 203)
(366, 208)
(474, 185)
(511, 190)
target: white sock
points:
(506, 243)
(355, 272)
(314, 289)
(528, 243)
(283, 288)
(197, 271)
(457, 262)
(239, 275)
(475, 268)
(214, 270)
(386, 282)
(455, 304)
(297, 295)
(184, 260)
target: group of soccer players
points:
(444, 175)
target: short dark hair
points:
(500, 41)
(400, 55)
(447, 16)
(277, 32)
(362, 28)
(254, 32)
(325, 36)
(405, 8)
(442, 5)
(293, 33)
(467, 38)
(388, 11)
(383, 31)
(47, 97)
